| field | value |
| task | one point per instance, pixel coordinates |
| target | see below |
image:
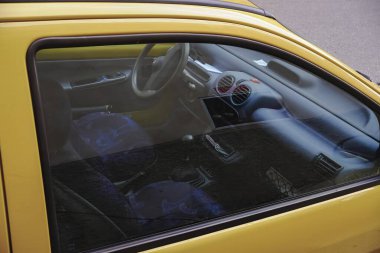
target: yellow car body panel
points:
(332, 226)
(4, 237)
(328, 227)
(75, 11)
(61, 11)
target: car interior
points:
(146, 138)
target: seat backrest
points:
(77, 185)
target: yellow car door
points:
(4, 245)
(56, 55)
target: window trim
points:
(210, 226)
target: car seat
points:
(91, 211)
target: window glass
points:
(143, 139)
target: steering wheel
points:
(165, 69)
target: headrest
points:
(57, 112)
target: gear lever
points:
(186, 173)
(187, 140)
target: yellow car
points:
(180, 126)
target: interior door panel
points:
(99, 52)
(74, 74)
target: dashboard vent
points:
(240, 94)
(326, 166)
(225, 84)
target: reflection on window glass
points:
(160, 137)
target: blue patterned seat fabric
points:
(115, 143)
(110, 141)
(115, 140)
(170, 204)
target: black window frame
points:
(194, 230)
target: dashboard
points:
(308, 115)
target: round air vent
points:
(240, 94)
(225, 84)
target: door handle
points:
(103, 80)
(80, 111)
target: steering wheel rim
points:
(146, 93)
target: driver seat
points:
(90, 209)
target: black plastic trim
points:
(259, 7)
(364, 75)
(210, 3)
(206, 227)
(42, 147)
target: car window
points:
(146, 143)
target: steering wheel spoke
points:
(170, 66)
